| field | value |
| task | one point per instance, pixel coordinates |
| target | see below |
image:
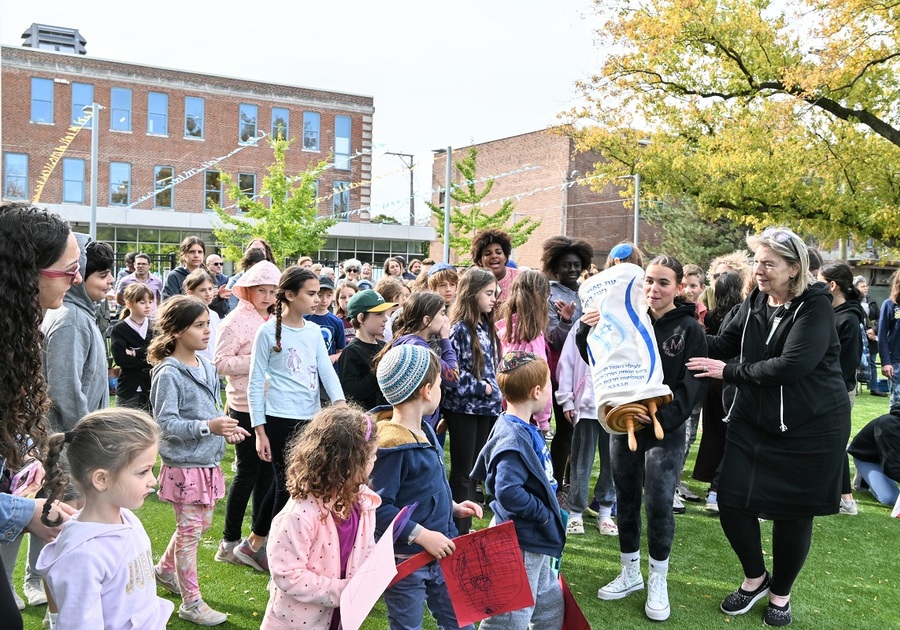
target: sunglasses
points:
(216, 264)
(56, 273)
(352, 270)
(782, 237)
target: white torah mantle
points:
(622, 352)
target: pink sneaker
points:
(257, 559)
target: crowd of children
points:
(339, 399)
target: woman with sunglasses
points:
(789, 422)
(38, 264)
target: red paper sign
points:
(486, 576)
(573, 619)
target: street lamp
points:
(567, 183)
(449, 174)
(637, 202)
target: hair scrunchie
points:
(69, 436)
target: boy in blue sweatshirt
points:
(410, 469)
(517, 470)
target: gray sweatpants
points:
(548, 610)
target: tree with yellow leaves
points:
(763, 113)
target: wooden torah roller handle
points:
(621, 418)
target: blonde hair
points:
(791, 248)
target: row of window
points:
(15, 185)
(120, 100)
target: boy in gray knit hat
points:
(410, 469)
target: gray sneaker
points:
(225, 552)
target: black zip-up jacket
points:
(847, 319)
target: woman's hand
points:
(36, 527)
(888, 370)
(704, 367)
(590, 317)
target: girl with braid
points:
(100, 569)
(287, 363)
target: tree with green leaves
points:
(290, 224)
(687, 235)
(468, 218)
(761, 112)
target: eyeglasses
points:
(57, 273)
(216, 264)
(352, 270)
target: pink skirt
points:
(198, 486)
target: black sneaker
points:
(741, 601)
(777, 616)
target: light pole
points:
(412, 198)
(637, 202)
(448, 175)
(567, 183)
(95, 153)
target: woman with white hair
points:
(789, 422)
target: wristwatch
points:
(204, 429)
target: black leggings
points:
(561, 444)
(791, 539)
(279, 431)
(468, 435)
(252, 477)
(9, 612)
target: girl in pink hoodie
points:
(327, 528)
(256, 293)
(523, 318)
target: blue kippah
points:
(621, 251)
(402, 371)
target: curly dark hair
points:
(489, 237)
(31, 239)
(328, 458)
(556, 247)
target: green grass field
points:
(850, 580)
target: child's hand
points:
(488, 390)
(467, 509)
(441, 427)
(445, 329)
(263, 450)
(238, 436)
(435, 543)
(223, 425)
(570, 416)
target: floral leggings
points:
(180, 557)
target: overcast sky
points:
(440, 73)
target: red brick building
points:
(159, 131)
(540, 167)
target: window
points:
(162, 178)
(341, 201)
(158, 114)
(193, 117)
(42, 101)
(73, 180)
(311, 131)
(213, 189)
(247, 125)
(247, 184)
(82, 96)
(119, 183)
(281, 123)
(15, 173)
(120, 118)
(342, 143)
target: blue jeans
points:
(406, 600)
(894, 384)
(882, 487)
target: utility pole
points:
(95, 156)
(412, 198)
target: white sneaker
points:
(677, 505)
(657, 606)
(575, 526)
(608, 528)
(20, 603)
(34, 592)
(849, 507)
(201, 614)
(627, 582)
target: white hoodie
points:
(576, 388)
(101, 576)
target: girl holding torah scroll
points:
(650, 464)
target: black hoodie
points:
(678, 338)
(848, 317)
